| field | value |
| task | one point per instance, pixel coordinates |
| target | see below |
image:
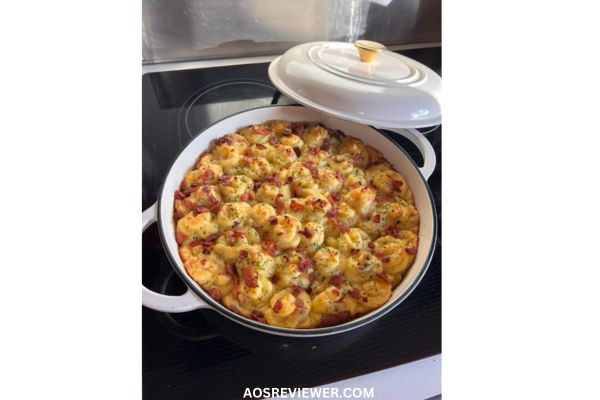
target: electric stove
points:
(201, 354)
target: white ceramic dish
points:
(196, 298)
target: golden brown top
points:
(296, 225)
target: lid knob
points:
(368, 50)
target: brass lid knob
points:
(368, 50)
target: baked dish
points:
(296, 225)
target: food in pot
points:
(296, 225)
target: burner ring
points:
(215, 102)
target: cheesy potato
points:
(296, 225)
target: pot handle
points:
(172, 304)
(426, 149)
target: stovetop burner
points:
(213, 103)
(202, 354)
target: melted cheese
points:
(296, 225)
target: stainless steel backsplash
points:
(176, 30)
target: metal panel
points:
(176, 30)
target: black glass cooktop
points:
(200, 354)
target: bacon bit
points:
(306, 233)
(354, 251)
(269, 247)
(214, 293)
(337, 280)
(248, 160)
(248, 153)
(365, 299)
(287, 132)
(258, 317)
(371, 245)
(207, 248)
(223, 140)
(238, 234)
(261, 130)
(208, 175)
(384, 198)
(216, 207)
(319, 203)
(385, 259)
(344, 227)
(250, 278)
(333, 213)
(397, 185)
(297, 127)
(273, 140)
(354, 293)
(290, 179)
(200, 210)
(286, 258)
(180, 237)
(257, 185)
(305, 264)
(196, 243)
(309, 290)
(297, 151)
(335, 319)
(212, 198)
(279, 206)
(313, 151)
(203, 262)
(411, 250)
(297, 207)
(230, 270)
(392, 230)
(312, 168)
(275, 278)
(275, 179)
(297, 192)
(243, 254)
(299, 303)
(277, 306)
(260, 146)
(296, 290)
(376, 218)
(179, 195)
(247, 196)
(272, 220)
(334, 197)
(356, 157)
(226, 180)
(325, 145)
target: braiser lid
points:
(360, 82)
